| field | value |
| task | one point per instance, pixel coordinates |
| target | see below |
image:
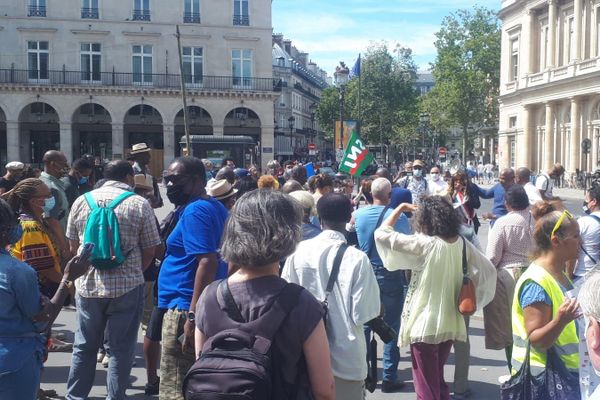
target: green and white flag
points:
(357, 156)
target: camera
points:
(383, 330)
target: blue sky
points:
(337, 30)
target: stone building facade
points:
(550, 84)
(96, 76)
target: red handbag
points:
(467, 299)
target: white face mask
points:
(435, 176)
(418, 173)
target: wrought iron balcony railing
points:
(191, 18)
(241, 20)
(37, 11)
(90, 13)
(135, 80)
(141, 15)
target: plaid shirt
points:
(138, 231)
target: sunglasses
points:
(176, 179)
(564, 215)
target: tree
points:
(389, 104)
(466, 72)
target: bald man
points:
(522, 177)
(496, 192)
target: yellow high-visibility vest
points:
(567, 344)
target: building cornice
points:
(141, 34)
(36, 30)
(146, 91)
(89, 32)
(241, 38)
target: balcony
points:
(136, 80)
(243, 20)
(90, 13)
(141, 15)
(37, 11)
(191, 18)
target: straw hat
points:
(220, 189)
(143, 181)
(139, 148)
(14, 166)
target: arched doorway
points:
(92, 131)
(200, 123)
(144, 124)
(39, 130)
(3, 141)
(245, 122)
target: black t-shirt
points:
(6, 184)
(252, 297)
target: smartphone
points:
(86, 252)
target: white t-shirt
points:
(544, 183)
(532, 193)
(589, 228)
(437, 188)
(353, 302)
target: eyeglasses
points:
(176, 179)
(564, 215)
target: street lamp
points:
(341, 75)
(291, 122)
(423, 122)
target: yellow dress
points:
(35, 247)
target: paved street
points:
(486, 366)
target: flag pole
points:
(359, 103)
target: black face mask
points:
(177, 195)
(586, 209)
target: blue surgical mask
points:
(83, 180)
(14, 234)
(418, 173)
(49, 204)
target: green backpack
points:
(102, 229)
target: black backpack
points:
(237, 362)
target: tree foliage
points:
(466, 72)
(388, 102)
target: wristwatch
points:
(191, 316)
(68, 283)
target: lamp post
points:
(423, 122)
(341, 76)
(291, 122)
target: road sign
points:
(586, 145)
(312, 146)
(312, 152)
(442, 151)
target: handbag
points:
(467, 301)
(555, 383)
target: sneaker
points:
(100, 356)
(152, 389)
(105, 361)
(58, 346)
(504, 378)
(391, 387)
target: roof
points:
(425, 77)
(227, 139)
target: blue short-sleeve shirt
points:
(198, 232)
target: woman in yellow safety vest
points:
(542, 312)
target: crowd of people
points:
(290, 275)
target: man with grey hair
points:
(274, 169)
(391, 284)
(589, 300)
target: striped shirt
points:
(138, 231)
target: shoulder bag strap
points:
(464, 258)
(335, 270)
(379, 221)
(231, 308)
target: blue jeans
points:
(20, 367)
(121, 318)
(392, 287)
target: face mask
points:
(83, 180)
(418, 173)
(585, 207)
(64, 171)
(49, 204)
(177, 195)
(435, 177)
(14, 234)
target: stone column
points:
(218, 130)
(524, 140)
(13, 142)
(66, 140)
(574, 147)
(549, 139)
(551, 50)
(118, 147)
(267, 142)
(577, 14)
(169, 144)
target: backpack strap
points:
(113, 204)
(231, 308)
(90, 201)
(379, 221)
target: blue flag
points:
(355, 72)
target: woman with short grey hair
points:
(264, 227)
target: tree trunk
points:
(465, 144)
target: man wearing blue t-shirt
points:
(190, 264)
(497, 192)
(391, 284)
